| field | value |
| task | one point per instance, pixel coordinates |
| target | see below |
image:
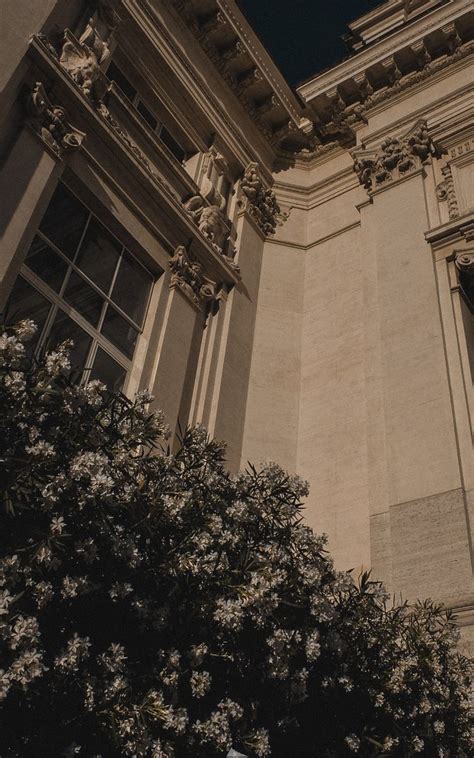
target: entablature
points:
(346, 95)
(235, 51)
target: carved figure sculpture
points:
(209, 219)
(49, 121)
(82, 58)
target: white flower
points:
(200, 683)
(439, 727)
(41, 448)
(77, 649)
(389, 742)
(57, 362)
(313, 647)
(27, 667)
(229, 613)
(5, 600)
(15, 382)
(25, 629)
(417, 744)
(260, 743)
(43, 593)
(25, 329)
(90, 466)
(11, 350)
(57, 525)
(353, 743)
(4, 684)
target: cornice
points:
(376, 53)
(196, 86)
(319, 241)
(317, 193)
(262, 60)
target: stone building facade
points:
(292, 269)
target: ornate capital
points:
(259, 200)
(395, 157)
(187, 275)
(50, 123)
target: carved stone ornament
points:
(132, 147)
(446, 193)
(83, 58)
(186, 274)
(209, 219)
(395, 157)
(465, 263)
(49, 122)
(260, 201)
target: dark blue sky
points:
(303, 36)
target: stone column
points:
(28, 178)
(227, 393)
(27, 181)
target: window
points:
(79, 282)
(152, 121)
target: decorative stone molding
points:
(445, 192)
(103, 111)
(260, 201)
(187, 275)
(49, 122)
(395, 157)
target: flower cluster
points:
(153, 605)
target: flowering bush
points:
(153, 605)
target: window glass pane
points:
(26, 302)
(108, 371)
(64, 328)
(171, 144)
(147, 115)
(98, 255)
(119, 332)
(115, 75)
(131, 288)
(46, 263)
(83, 298)
(64, 220)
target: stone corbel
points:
(248, 80)
(421, 53)
(232, 52)
(187, 275)
(364, 86)
(451, 36)
(395, 158)
(50, 123)
(392, 71)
